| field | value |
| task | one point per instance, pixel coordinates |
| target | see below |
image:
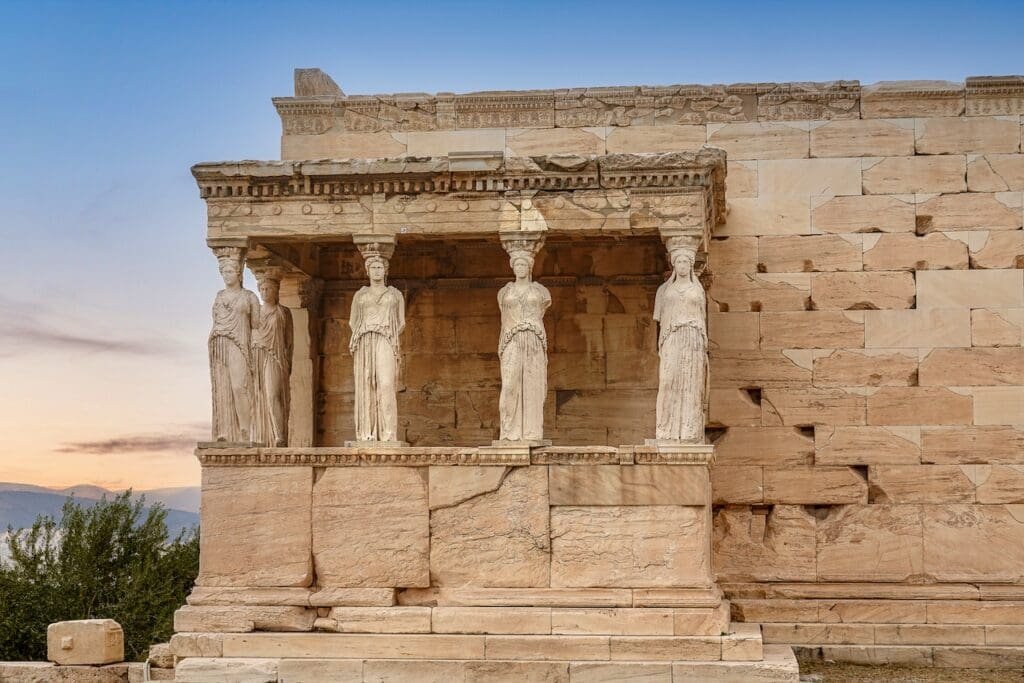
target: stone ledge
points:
(215, 455)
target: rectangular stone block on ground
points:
(86, 641)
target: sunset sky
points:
(107, 282)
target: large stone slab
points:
(753, 546)
(256, 527)
(974, 542)
(496, 538)
(371, 527)
(650, 546)
(87, 641)
(628, 485)
(870, 543)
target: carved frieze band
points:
(412, 456)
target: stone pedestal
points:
(471, 560)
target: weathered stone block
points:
(970, 289)
(777, 546)
(853, 291)
(399, 671)
(969, 211)
(999, 484)
(973, 367)
(733, 330)
(700, 648)
(515, 672)
(870, 543)
(378, 619)
(243, 619)
(371, 527)
(867, 368)
(997, 249)
(86, 641)
(581, 648)
(757, 368)
(772, 215)
(611, 672)
(236, 670)
(921, 484)
(997, 326)
(934, 251)
(995, 172)
(498, 537)
(962, 135)
(931, 328)
(251, 538)
(742, 179)
(863, 138)
(743, 643)
(667, 138)
(525, 142)
(912, 175)
(629, 485)
(867, 445)
(635, 621)
(779, 446)
(806, 177)
(865, 213)
(888, 99)
(507, 620)
(734, 292)
(808, 253)
(737, 485)
(733, 254)
(312, 670)
(994, 535)
(919, 406)
(992, 444)
(650, 546)
(812, 406)
(819, 485)
(761, 140)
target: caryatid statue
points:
(272, 342)
(680, 308)
(231, 370)
(522, 347)
(377, 320)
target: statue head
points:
(682, 252)
(376, 269)
(522, 264)
(230, 271)
(270, 290)
(682, 263)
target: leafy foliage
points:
(112, 560)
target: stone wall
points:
(867, 315)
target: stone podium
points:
(588, 559)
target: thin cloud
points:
(137, 443)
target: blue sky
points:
(107, 281)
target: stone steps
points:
(777, 666)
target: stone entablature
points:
(320, 106)
(473, 193)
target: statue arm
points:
(401, 309)
(658, 303)
(289, 337)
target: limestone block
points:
(973, 367)
(611, 672)
(353, 597)
(775, 610)
(777, 546)
(735, 485)
(867, 368)
(243, 619)
(733, 407)
(517, 597)
(313, 670)
(867, 213)
(921, 484)
(371, 527)
(812, 406)
(998, 405)
(197, 645)
(870, 543)
(792, 254)
(997, 326)
(507, 620)
(743, 643)
(779, 665)
(911, 175)
(999, 484)
(867, 445)
(819, 485)
(699, 648)
(235, 595)
(628, 621)
(253, 539)
(733, 254)
(448, 486)
(742, 179)
(975, 611)
(650, 546)
(875, 655)
(495, 538)
(734, 292)
(929, 634)
(806, 177)
(442, 142)
(556, 648)
(995, 172)
(733, 330)
(761, 368)
(667, 138)
(86, 641)
(629, 485)
(998, 249)
(888, 99)
(396, 670)
(761, 140)
(625, 409)
(209, 670)
(516, 672)
(765, 446)
(967, 135)
(933, 251)
(863, 138)
(853, 291)
(985, 444)
(932, 328)
(160, 656)
(970, 211)
(818, 634)
(332, 145)
(772, 215)
(355, 645)
(978, 657)
(994, 534)
(528, 142)
(919, 406)
(379, 619)
(970, 289)
(701, 621)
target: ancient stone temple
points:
(615, 383)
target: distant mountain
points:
(21, 504)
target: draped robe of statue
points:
(680, 308)
(231, 367)
(377, 320)
(272, 339)
(522, 350)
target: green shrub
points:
(111, 560)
